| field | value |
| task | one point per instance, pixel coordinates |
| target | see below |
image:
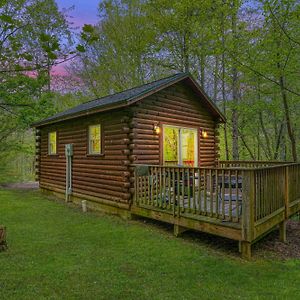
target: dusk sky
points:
(84, 12)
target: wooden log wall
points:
(176, 105)
(104, 176)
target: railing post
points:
(248, 215)
(287, 193)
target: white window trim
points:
(180, 141)
(90, 152)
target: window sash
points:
(95, 139)
(52, 143)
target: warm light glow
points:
(157, 129)
(204, 133)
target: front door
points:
(180, 146)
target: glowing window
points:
(52, 143)
(95, 139)
(180, 146)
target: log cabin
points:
(153, 151)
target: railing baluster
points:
(230, 195)
(199, 206)
(205, 191)
(217, 212)
(183, 191)
(173, 190)
(194, 190)
(178, 190)
(223, 194)
(211, 191)
(169, 188)
(237, 194)
(151, 186)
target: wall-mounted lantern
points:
(156, 129)
(203, 133)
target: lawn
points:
(57, 252)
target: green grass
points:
(57, 252)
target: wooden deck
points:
(237, 200)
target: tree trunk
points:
(235, 89)
(287, 118)
(216, 79)
(263, 128)
(278, 141)
(223, 86)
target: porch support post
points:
(178, 230)
(282, 231)
(246, 249)
(248, 216)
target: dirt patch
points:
(268, 247)
(20, 186)
(271, 246)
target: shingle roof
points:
(119, 99)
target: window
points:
(52, 143)
(95, 139)
(180, 146)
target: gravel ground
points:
(21, 186)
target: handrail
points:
(220, 168)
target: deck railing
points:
(269, 190)
(249, 163)
(210, 192)
(245, 193)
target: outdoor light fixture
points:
(203, 133)
(156, 129)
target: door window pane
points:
(180, 146)
(188, 147)
(171, 145)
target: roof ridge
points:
(137, 86)
(125, 98)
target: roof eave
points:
(120, 104)
(110, 107)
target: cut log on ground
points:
(3, 243)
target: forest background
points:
(245, 55)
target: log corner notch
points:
(3, 243)
(37, 153)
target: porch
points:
(240, 200)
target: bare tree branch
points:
(233, 57)
(282, 27)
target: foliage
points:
(33, 36)
(244, 54)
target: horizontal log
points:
(101, 168)
(100, 181)
(117, 142)
(93, 193)
(161, 109)
(148, 137)
(116, 137)
(167, 119)
(103, 192)
(145, 152)
(114, 147)
(143, 146)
